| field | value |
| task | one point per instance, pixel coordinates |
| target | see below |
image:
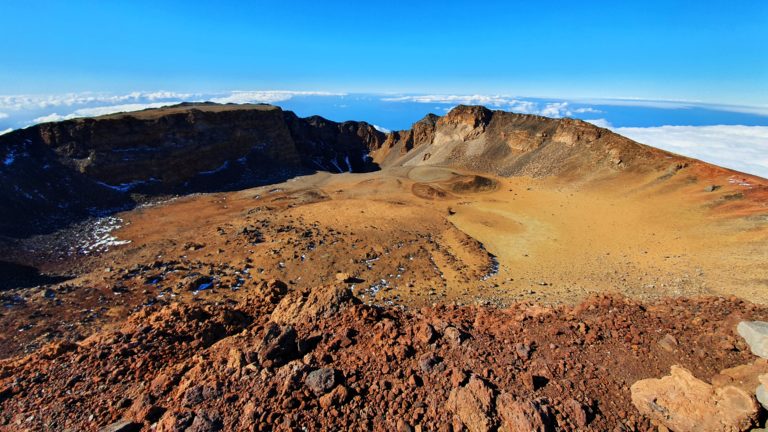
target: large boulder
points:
(472, 405)
(745, 377)
(683, 403)
(524, 415)
(755, 333)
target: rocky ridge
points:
(283, 360)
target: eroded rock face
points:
(54, 172)
(681, 402)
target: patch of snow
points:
(335, 164)
(100, 239)
(223, 166)
(349, 165)
(125, 187)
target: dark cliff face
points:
(334, 147)
(171, 148)
(54, 173)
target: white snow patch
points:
(100, 238)
(219, 169)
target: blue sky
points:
(682, 50)
(636, 67)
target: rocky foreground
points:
(321, 360)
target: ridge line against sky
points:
(98, 103)
(734, 145)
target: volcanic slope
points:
(482, 210)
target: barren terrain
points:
(432, 290)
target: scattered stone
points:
(523, 350)
(122, 426)
(321, 381)
(426, 334)
(577, 412)
(338, 396)
(668, 343)
(711, 188)
(428, 361)
(454, 336)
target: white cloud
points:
(585, 110)
(270, 96)
(89, 99)
(3, 132)
(37, 102)
(600, 122)
(98, 111)
(556, 109)
(676, 104)
(46, 108)
(743, 148)
(104, 110)
(3, 115)
(552, 109)
(50, 118)
(454, 99)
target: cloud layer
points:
(47, 108)
(508, 103)
(743, 148)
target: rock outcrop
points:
(53, 173)
(509, 144)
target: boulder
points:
(472, 405)
(746, 377)
(755, 333)
(321, 381)
(683, 403)
(762, 395)
(522, 415)
(278, 345)
(321, 302)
